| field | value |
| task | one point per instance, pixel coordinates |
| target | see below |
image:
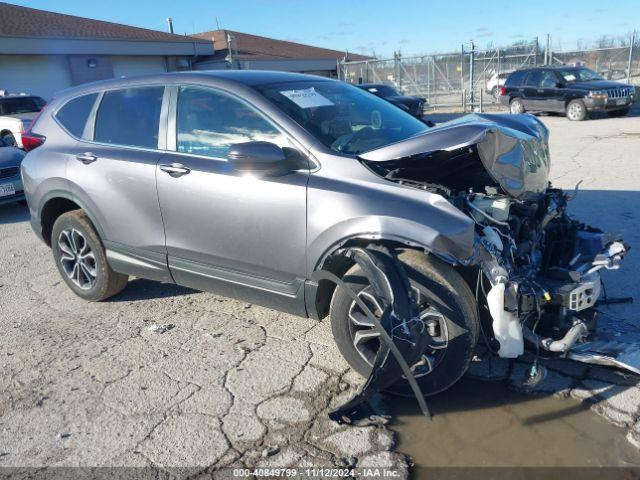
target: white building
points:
(42, 52)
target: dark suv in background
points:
(408, 103)
(576, 91)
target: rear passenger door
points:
(113, 176)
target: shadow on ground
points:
(13, 213)
(142, 289)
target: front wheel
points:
(576, 111)
(447, 307)
(81, 258)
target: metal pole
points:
(399, 63)
(462, 77)
(495, 98)
(471, 72)
(547, 51)
(428, 82)
(633, 41)
(536, 58)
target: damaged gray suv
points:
(246, 183)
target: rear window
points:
(515, 79)
(130, 117)
(73, 115)
(15, 105)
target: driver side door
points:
(240, 235)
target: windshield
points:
(12, 106)
(344, 118)
(579, 75)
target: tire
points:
(495, 93)
(444, 289)
(516, 106)
(73, 237)
(576, 111)
(619, 113)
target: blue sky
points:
(379, 26)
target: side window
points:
(548, 79)
(209, 122)
(130, 117)
(515, 79)
(534, 78)
(73, 114)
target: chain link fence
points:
(471, 78)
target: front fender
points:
(452, 240)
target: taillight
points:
(503, 90)
(32, 140)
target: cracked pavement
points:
(233, 384)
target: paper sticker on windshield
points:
(307, 98)
(569, 77)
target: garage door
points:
(34, 74)
(133, 66)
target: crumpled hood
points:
(512, 148)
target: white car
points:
(495, 82)
(16, 113)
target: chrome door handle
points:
(175, 169)
(86, 157)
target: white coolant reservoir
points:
(506, 327)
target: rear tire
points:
(516, 106)
(443, 289)
(576, 111)
(619, 113)
(81, 258)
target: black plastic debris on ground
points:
(402, 332)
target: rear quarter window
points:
(74, 114)
(516, 78)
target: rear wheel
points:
(447, 307)
(516, 106)
(619, 113)
(81, 258)
(576, 111)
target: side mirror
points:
(261, 158)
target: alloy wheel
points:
(366, 340)
(77, 258)
(516, 107)
(574, 112)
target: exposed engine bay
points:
(538, 268)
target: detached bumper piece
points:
(402, 332)
(607, 349)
